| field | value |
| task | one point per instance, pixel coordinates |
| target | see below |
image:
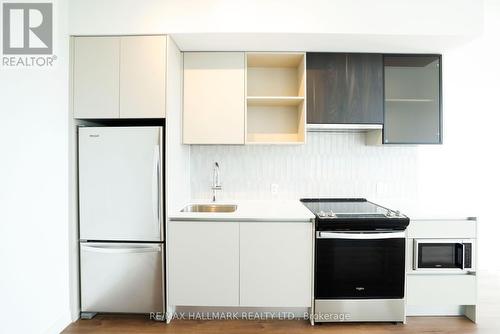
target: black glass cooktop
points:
(354, 214)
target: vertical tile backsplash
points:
(329, 165)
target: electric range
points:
(359, 269)
(354, 214)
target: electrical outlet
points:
(274, 188)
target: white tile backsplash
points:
(329, 165)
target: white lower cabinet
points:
(261, 264)
(203, 263)
(441, 290)
(275, 264)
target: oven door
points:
(360, 265)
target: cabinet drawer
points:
(121, 277)
(441, 290)
(458, 229)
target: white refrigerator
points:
(120, 180)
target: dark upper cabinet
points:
(412, 99)
(345, 88)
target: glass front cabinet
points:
(412, 99)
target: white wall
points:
(464, 172)
(34, 293)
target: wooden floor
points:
(139, 324)
(489, 322)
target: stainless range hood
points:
(343, 127)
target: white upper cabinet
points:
(96, 73)
(142, 76)
(214, 98)
(119, 77)
(232, 100)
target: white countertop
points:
(251, 210)
(427, 211)
(294, 210)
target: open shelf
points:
(274, 59)
(275, 74)
(275, 98)
(275, 124)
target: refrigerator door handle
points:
(124, 250)
(159, 187)
(155, 187)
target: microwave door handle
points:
(463, 255)
(461, 246)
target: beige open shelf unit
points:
(275, 97)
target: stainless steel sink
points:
(210, 208)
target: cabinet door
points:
(344, 88)
(275, 264)
(214, 98)
(365, 103)
(96, 77)
(142, 76)
(439, 290)
(412, 99)
(203, 264)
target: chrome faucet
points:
(215, 182)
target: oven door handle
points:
(360, 235)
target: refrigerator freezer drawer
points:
(120, 183)
(121, 277)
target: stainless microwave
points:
(444, 255)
